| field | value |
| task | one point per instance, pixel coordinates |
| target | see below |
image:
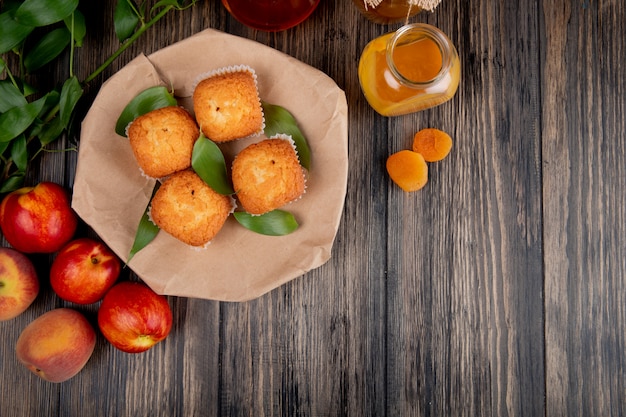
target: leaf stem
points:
(72, 48)
(10, 75)
(126, 44)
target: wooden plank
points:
(464, 279)
(584, 101)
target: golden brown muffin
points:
(188, 209)
(227, 106)
(162, 140)
(267, 175)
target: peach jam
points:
(412, 69)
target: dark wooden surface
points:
(498, 290)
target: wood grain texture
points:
(497, 290)
(465, 254)
(583, 104)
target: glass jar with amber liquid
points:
(270, 15)
(387, 11)
(412, 69)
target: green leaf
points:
(273, 223)
(27, 89)
(279, 120)
(51, 105)
(10, 96)
(19, 153)
(50, 131)
(70, 94)
(44, 12)
(146, 231)
(14, 182)
(208, 162)
(11, 32)
(4, 146)
(50, 46)
(53, 98)
(150, 99)
(44, 127)
(16, 120)
(179, 5)
(76, 24)
(125, 19)
(166, 3)
(48, 125)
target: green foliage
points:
(16, 120)
(149, 99)
(279, 120)
(10, 96)
(273, 223)
(77, 26)
(126, 19)
(38, 13)
(208, 162)
(12, 33)
(146, 232)
(37, 33)
(51, 45)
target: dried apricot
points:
(408, 170)
(433, 144)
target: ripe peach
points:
(56, 345)
(19, 285)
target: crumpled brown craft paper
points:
(110, 194)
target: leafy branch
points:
(37, 32)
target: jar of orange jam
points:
(386, 11)
(412, 69)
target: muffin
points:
(267, 175)
(162, 140)
(188, 209)
(227, 105)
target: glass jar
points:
(386, 11)
(412, 69)
(270, 15)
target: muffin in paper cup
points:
(162, 140)
(188, 209)
(227, 104)
(267, 175)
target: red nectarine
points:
(83, 271)
(38, 219)
(133, 317)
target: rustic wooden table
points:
(498, 290)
